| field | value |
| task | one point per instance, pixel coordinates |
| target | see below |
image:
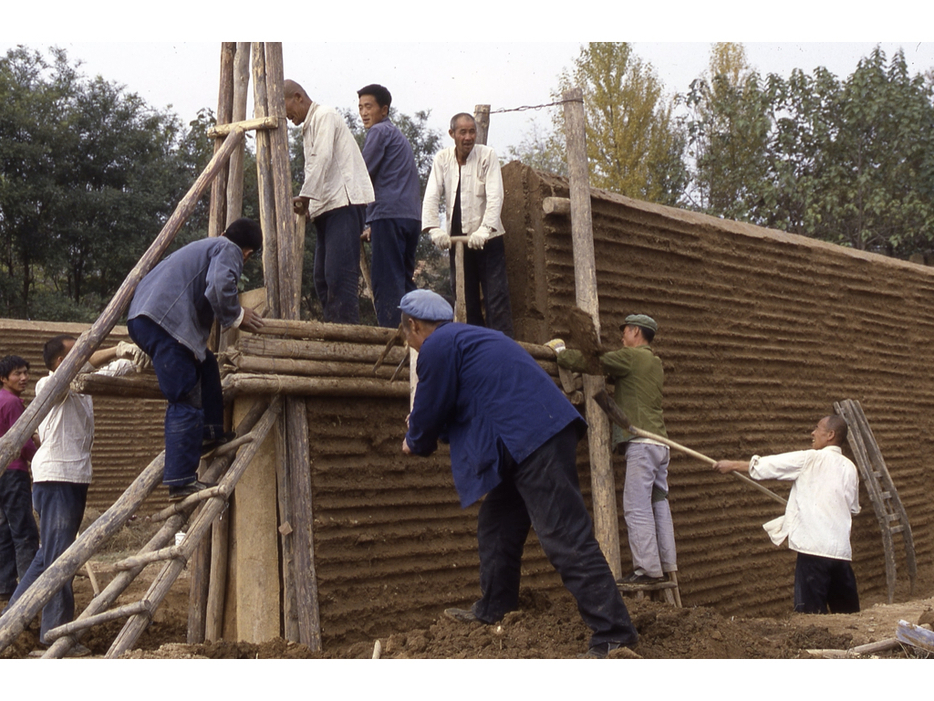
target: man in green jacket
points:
(638, 375)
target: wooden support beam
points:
(255, 124)
(481, 114)
(314, 386)
(560, 206)
(217, 209)
(606, 520)
(141, 386)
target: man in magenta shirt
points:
(19, 535)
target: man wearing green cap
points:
(638, 375)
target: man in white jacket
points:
(817, 519)
(466, 178)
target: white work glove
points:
(478, 238)
(440, 239)
(557, 345)
(130, 351)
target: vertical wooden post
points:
(606, 521)
(241, 82)
(217, 216)
(291, 247)
(481, 113)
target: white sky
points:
(517, 64)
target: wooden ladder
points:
(888, 507)
(227, 464)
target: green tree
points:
(542, 150)
(88, 176)
(729, 131)
(634, 143)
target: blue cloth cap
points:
(426, 306)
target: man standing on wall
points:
(334, 196)
(817, 520)
(19, 535)
(467, 179)
(394, 219)
(638, 375)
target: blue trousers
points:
(193, 390)
(337, 262)
(60, 506)
(485, 270)
(393, 242)
(543, 492)
(822, 583)
(19, 537)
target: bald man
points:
(817, 519)
(335, 194)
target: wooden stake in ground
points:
(606, 520)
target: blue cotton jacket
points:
(391, 165)
(484, 393)
(190, 288)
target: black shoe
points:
(642, 578)
(179, 492)
(462, 615)
(599, 652)
(209, 444)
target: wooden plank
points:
(915, 636)
(606, 520)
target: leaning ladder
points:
(889, 509)
(251, 432)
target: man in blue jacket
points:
(513, 438)
(170, 319)
(394, 219)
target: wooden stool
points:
(669, 590)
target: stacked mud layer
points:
(760, 332)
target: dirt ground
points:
(545, 626)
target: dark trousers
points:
(822, 582)
(337, 262)
(543, 492)
(60, 506)
(485, 270)
(393, 242)
(19, 536)
(193, 390)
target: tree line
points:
(89, 173)
(849, 160)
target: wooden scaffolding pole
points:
(606, 521)
(12, 442)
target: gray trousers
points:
(646, 510)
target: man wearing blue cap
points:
(513, 438)
(638, 375)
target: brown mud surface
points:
(546, 626)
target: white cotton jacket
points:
(67, 433)
(825, 493)
(481, 191)
(335, 172)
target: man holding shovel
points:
(513, 438)
(817, 520)
(639, 376)
(467, 178)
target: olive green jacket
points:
(638, 376)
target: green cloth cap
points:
(642, 320)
